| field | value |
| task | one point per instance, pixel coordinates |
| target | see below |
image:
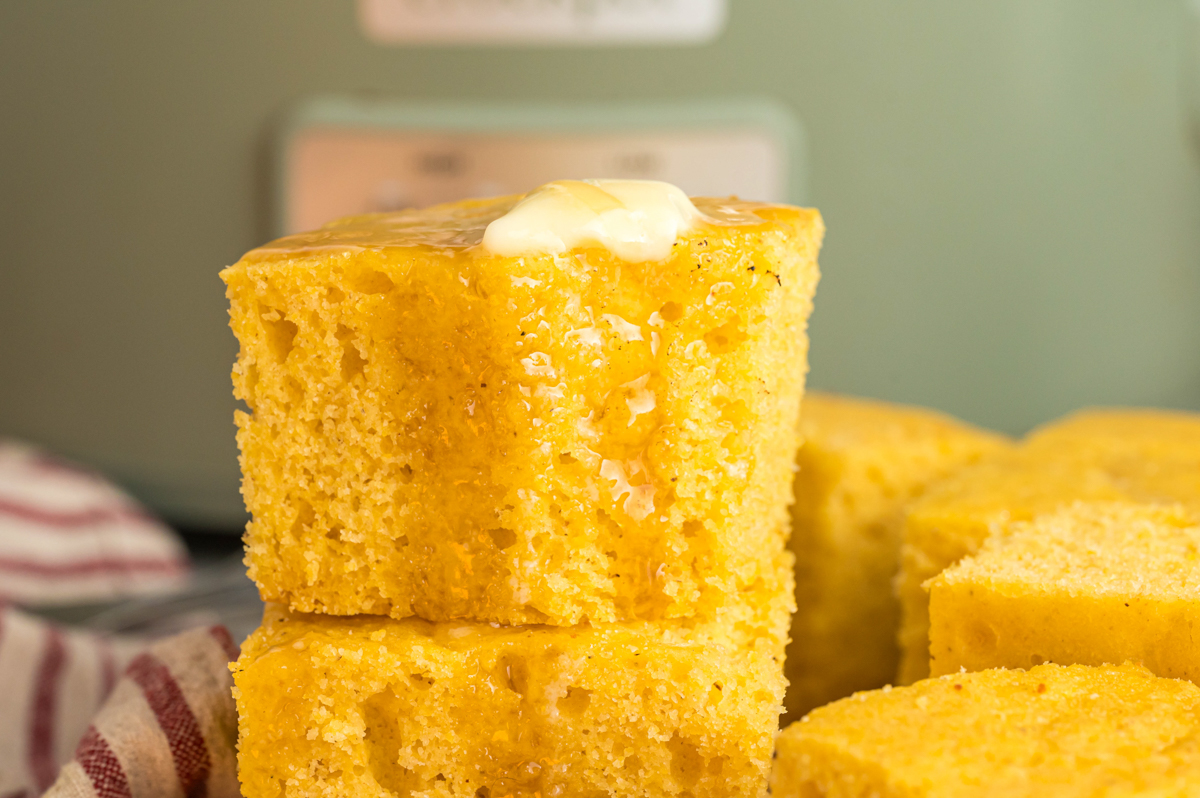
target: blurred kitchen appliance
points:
(341, 156)
(536, 22)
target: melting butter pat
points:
(636, 220)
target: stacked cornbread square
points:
(861, 464)
(524, 513)
(1138, 456)
(1092, 583)
(1068, 732)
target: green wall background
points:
(1012, 191)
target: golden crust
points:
(439, 432)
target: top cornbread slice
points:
(1092, 583)
(442, 432)
(1067, 732)
(1141, 456)
(862, 461)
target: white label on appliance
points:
(546, 22)
(335, 171)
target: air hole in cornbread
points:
(687, 764)
(575, 701)
(352, 359)
(726, 338)
(513, 673)
(251, 372)
(503, 538)
(383, 745)
(370, 282)
(983, 636)
(304, 517)
(281, 333)
(672, 312)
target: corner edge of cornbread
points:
(370, 706)
(1094, 454)
(545, 439)
(1090, 583)
(861, 463)
(1068, 731)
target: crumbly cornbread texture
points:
(1144, 456)
(861, 462)
(333, 707)
(1090, 584)
(1067, 732)
(438, 431)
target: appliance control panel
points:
(337, 158)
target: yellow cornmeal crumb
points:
(367, 706)
(1066, 732)
(1089, 584)
(438, 431)
(861, 462)
(1093, 455)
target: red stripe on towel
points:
(83, 567)
(108, 667)
(175, 718)
(101, 766)
(222, 636)
(66, 519)
(45, 706)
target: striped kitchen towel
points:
(51, 682)
(169, 729)
(69, 536)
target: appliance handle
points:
(1191, 76)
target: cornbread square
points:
(861, 462)
(1090, 584)
(1147, 456)
(442, 432)
(1067, 732)
(371, 706)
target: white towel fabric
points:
(69, 536)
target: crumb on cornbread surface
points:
(370, 706)
(861, 462)
(438, 431)
(1093, 455)
(1068, 732)
(1089, 584)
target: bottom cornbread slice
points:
(369, 706)
(1093, 583)
(1065, 731)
